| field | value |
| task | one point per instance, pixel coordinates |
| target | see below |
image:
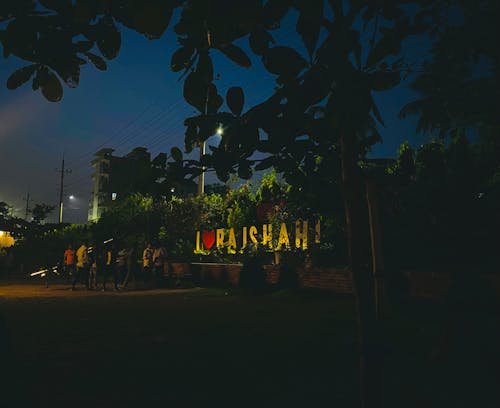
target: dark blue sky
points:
(137, 102)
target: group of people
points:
(94, 266)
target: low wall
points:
(331, 279)
(421, 284)
(435, 285)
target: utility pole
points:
(28, 202)
(61, 189)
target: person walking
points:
(82, 263)
(95, 263)
(159, 260)
(69, 262)
(130, 258)
(147, 265)
(110, 267)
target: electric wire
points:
(156, 133)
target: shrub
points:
(288, 270)
(253, 275)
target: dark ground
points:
(201, 347)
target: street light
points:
(201, 178)
(71, 197)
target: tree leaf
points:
(148, 17)
(309, 22)
(222, 174)
(236, 54)
(180, 58)
(259, 41)
(235, 100)
(382, 81)
(20, 76)
(389, 44)
(376, 112)
(36, 82)
(98, 62)
(274, 11)
(244, 170)
(69, 71)
(108, 37)
(51, 87)
(205, 67)
(84, 46)
(176, 154)
(283, 61)
(266, 163)
(190, 137)
(195, 91)
(214, 100)
(61, 6)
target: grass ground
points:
(198, 347)
(186, 348)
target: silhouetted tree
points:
(4, 210)
(41, 211)
(458, 85)
(321, 118)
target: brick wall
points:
(421, 284)
(216, 273)
(332, 279)
(335, 280)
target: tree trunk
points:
(376, 248)
(359, 258)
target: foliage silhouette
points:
(320, 121)
(41, 211)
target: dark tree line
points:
(321, 119)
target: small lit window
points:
(113, 196)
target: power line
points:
(157, 120)
(134, 133)
(116, 133)
(157, 137)
(157, 131)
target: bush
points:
(253, 275)
(288, 270)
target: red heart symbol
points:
(208, 239)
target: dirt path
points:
(30, 290)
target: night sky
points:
(136, 102)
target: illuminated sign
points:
(295, 235)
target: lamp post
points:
(201, 177)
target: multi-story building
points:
(116, 177)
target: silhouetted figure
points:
(82, 265)
(110, 267)
(69, 262)
(129, 258)
(147, 265)
(95, 266)
(159, 261)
